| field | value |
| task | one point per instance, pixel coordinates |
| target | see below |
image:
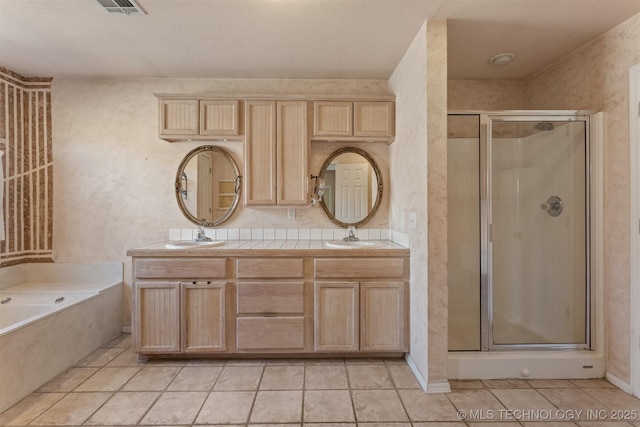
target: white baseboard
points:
(418, 374)
(427, 387)
(438, 388)
(616, 381)
(126, 329)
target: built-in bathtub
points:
(20, 309)
(53, 316)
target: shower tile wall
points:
(25, 138)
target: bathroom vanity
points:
(267, 298)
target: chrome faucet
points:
(201, 237)
(351, 236)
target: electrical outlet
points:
(412, 219)
(291, 213)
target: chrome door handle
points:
(553, 206)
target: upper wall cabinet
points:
(276, 160)
(204, 119)
(354, 121)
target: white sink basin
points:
(359, 244)
(187, 244)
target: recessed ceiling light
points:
(502, 58)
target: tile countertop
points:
(270, 248)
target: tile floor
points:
(111, 387)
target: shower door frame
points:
(486, 223)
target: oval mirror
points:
(208, 186)
(352, 184)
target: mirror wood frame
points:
(178, 185)
(376, 170)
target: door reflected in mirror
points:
(208, 186)
(352, 187)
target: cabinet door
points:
(260, 153)
(219, 117)
(178, 117)
(373, 119)
(292, 154)
(203, 316)
(333, 118)
(336, 316)
(157, 317)
(382, 316)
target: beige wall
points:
(595, 77)
(114, 178)
(418, 165)
(484, 95)
(408, 157)
(437, 200)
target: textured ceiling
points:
(292, 38)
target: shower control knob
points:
(553, 206)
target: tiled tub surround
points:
(112, 387)
(50, 337)
(26, 139)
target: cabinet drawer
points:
(260, 297)
(270, 268)
(181, 268)
(359, 267)
(270, 333)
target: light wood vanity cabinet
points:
(276, 128)
(176, 317)
(354, 121)
(157, 317)
(336, 316)
(276, 170)
(203, 316)
(270, 305)
(180, 305)
(293, 304)
(361, 315)
(189, 118)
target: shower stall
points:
(519, 237)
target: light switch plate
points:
(412, 219)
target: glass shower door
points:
(538, 237)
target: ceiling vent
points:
(126, 7)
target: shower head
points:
(544, 126)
